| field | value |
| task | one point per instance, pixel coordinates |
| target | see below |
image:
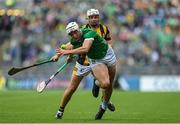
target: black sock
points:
(61, 109)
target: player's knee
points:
(106, 84)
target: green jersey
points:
(99, 46)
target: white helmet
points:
(72, 26)
(91, 12)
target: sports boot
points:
(59, 114)
(100, 113)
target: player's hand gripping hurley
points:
(41, 86)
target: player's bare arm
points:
(83, 49)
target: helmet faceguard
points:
(72, 26)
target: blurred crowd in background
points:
(145, 33)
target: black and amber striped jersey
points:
(102, 30)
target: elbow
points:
(85, 49)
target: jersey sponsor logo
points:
(82, 69)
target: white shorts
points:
(109, 59)
(81, 70)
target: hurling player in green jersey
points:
(82, 67)
(101, 58)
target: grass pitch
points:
(131, 107)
